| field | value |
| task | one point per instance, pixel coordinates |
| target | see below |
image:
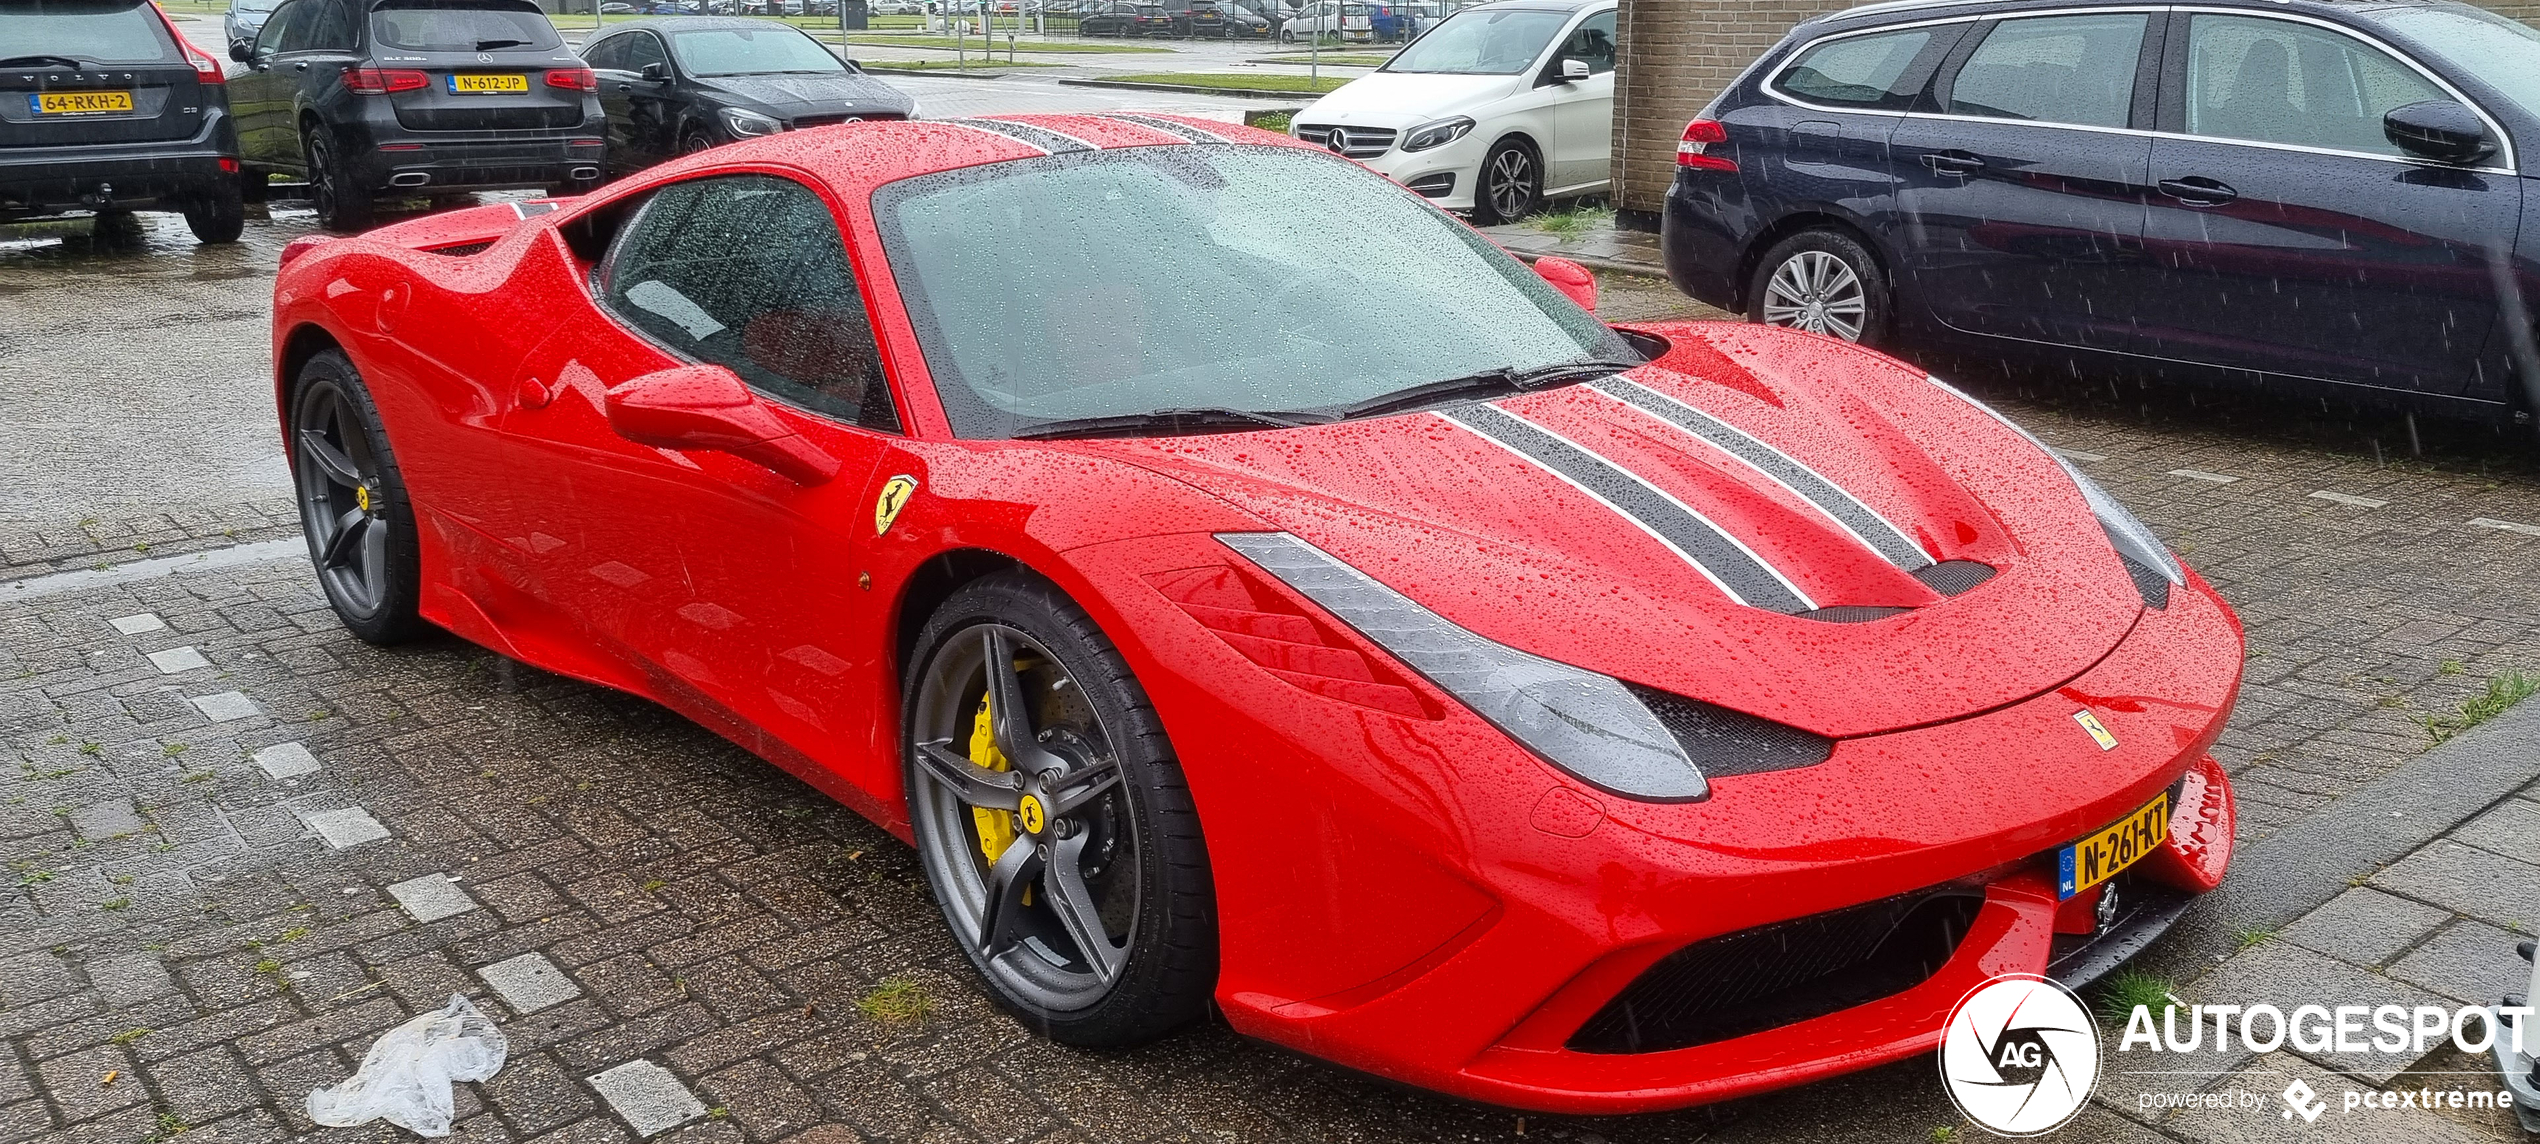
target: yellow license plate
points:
(487, 84)
(81, 102)
(2098, 858)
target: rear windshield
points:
(463, 26)
(98, 31)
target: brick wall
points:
(1677, 54)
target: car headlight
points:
(1437, 134)
(744, 124)
(1587, 724)
(2149, 560)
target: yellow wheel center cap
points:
(361, 496)
(1031, 814)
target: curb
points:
(2297, 869)
(1196, 89)
(1600, 265)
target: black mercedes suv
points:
(425, 97)
(104, 107)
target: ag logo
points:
(2019, 1055)
(895, 494)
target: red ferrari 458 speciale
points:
(1338, 621)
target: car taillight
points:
(206, 69)
(1700, 136)
(573, 79)
(384, 81)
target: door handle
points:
(2198, 191)
(1953, 162)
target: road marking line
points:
(235, 556)
(2202, 475)
(2348, 499)
(2506, 525)
(2078, 455)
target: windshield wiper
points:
(1171, 420)
(489, 45)
(1495, 382)
(44, 59)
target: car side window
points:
(2053, 69)
(643, 50)
(1593, 41)
(330, 27)
(302, 34)
(748, 272)
(2276, 81)
(605, 54)
(1873, 72)
(277, 26)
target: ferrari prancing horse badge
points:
(895, 494)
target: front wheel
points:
(1511, 184)
(1824, 282)
(353, 505)
(1052, 819)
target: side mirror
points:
(1570, 278)
(1574, 70)
(707, 407)
(243, 51)
(657, 72)
(2438, 129)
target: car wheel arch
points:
(1799, 222)
(305, 341)
(930, 584)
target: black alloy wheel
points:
(1511, 186)
(1052, 820)
(342, 202)
(353, 506)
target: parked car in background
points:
(105, 107)
(1125, 18)
(675, 86)
(1213, 20)
(2322, 197)
(617, 8)
(244, 19)
(365, 97)
(1497, 110)
(1341, 21)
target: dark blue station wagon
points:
(2323, 197)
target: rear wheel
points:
(1824, 282)
(1511, 184)
(353, 504)
(343, 202)
(218, 213)
(1052, 819)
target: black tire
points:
(353, 505)
(693, 140)
(1510, 184)
(218, 213)
(1159, 938)
(343, 202)
(1823, 281)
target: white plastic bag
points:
(405, 1077)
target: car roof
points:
(855, 158)
(1885, 11)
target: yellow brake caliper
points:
(996, 827)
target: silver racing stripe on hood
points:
(1720, 557)
(1850, 513)
(1182, 131)
(1053, 142)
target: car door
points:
(1823, 142)
(260, 96)
(734, 590)
(2291, 236)
(2020, 197)
(1582, 111)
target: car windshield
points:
(257, 5)
(1122, 283)
(1481, 41)
(751, 51)
(2502, 53)
(463, 26)
(99, 31)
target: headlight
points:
(2135, 544)
(1437, 134)
(744, 124)
(1588, 724)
